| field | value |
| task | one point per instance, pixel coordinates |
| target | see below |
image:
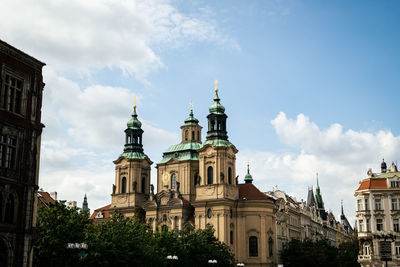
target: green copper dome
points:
(191, 120)
(134, 123)
(248, 178)
(216, 107)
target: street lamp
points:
(212, 261)
(172, 259)
(83, 246)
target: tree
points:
(57, 226)
(348, 253)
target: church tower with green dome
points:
(132, 171)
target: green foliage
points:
(319, 253)
(121, 241)
(57, 226)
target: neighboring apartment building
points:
(306, 220)
(197, 185)
(21, 87)
(378, 215)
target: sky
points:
(308, 86)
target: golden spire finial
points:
(134, 102)
(216, 85)
(248, 164)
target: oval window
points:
(209, 213)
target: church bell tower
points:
(132, 171)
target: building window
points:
(173, 181)
(210, 175)
(231, 237)
(397, 247)
(193, 135)
(209, 213)
(10, 207)
(270, 246)
(229, 175)
(378, 204)
(186, 135)
(143, 184)
(198, 135)
(366, 250)
(123, 185)
(359, 204)
(366, 204)
(1, 207)
(253, 246)
(379, 224)
(361, 225)
(196, 179)
(395, 183)
(12, 94)
(396, 225)
(8, 149)
(394, 204)
(367, 228)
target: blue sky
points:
(308, 86)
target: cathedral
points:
(197, 185)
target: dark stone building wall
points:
(21, 88)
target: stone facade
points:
(378, 215)
(197, 185)
(21, 87)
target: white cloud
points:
(94, 34)
(84, 134)
(340, 157)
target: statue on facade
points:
(113, 188)
(152, 189)
(222, 178)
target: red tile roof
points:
(104, 209)
(250, 192)
(44, 199)
(373, 184)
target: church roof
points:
(181, 152)
(250, 192)
(217, 142)
(104, 209)
(134, 155)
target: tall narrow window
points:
(143, 184)
(210, 175)
(198, 135)
(173, 181)
(1, 207)
(12, 94)
(366, 204)
(270, 246)
(397, 247)
(396, 225)
(10, 206)
(192, 135)
(229, 175)
(378, 205)
(123, 185)
(253, 246)
(361, 225)
(394, 204)
(2, 149)
(379, 224)
(196, 179)
(359, 204)
(231, 237)
(186, 135)
(10, 152)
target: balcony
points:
(364, 257)
(363, 213)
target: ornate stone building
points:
(197, 185)
(378, 215)
(21, 87)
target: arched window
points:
(270, 246)
(123, 185)
(229, 175)
(210, 175)
(253, 246)
(143, 184)
(192, 135)
(10, 206)
(128, 139)
(173, 181)
(176, 222)
(231, 237)
(195, 179)
(198, 135)
(186, 135)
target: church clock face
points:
(165, 179)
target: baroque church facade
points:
(197, 185)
